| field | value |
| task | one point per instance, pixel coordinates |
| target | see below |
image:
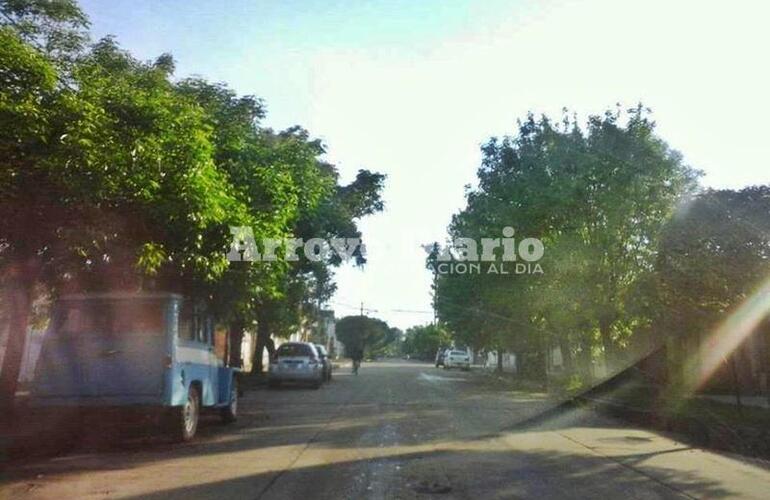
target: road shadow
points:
(466, 474)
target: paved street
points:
(397, 430)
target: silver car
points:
(455, 358)
(296, 362)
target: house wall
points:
(489, 361)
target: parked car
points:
(295, 362)
(454, 358)
(440, 356)
(327, 363)
(137, 353)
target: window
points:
(292, 350)
(192, 324)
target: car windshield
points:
(237, 239)
(294, 350)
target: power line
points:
(367, 309)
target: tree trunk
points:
(605, 331)
(566, 355)
(736, 383)
(236, 341)
(263, 341)
(541, 364)
(584, 362)
(21, 284)
(765, 331)
(500, 360)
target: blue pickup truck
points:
(135, 352)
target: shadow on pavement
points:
(467, 474)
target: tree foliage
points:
(423, 341)
(713, 255)
(598, 198)
(114, 175)
(365, 335)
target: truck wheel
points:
(184, 419)
(230, 412)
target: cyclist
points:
(357, 355)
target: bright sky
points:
(412, 88)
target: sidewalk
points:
(713, 421)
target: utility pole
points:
(362, 309)
(435, 293)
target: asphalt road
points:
(397, 430)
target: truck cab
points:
(140, 351)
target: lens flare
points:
(727, 337)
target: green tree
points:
(114, 176)
(597, 198)
(58, 29)
(310, 283)
(369, 336)
(106, 183)
(713, 256)
(423, 341)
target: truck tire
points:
(230, 412)
(184, 419)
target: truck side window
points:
(221, 341)
(187, 323)
(200, 328)
(193, 325)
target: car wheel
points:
(184, 419)
(230, 412)
(317, 384)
